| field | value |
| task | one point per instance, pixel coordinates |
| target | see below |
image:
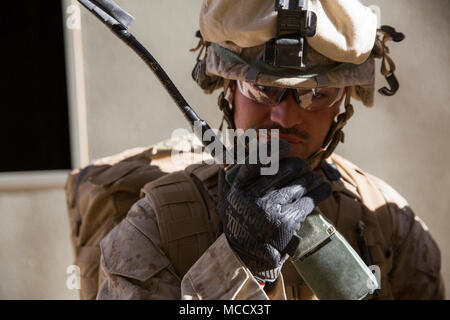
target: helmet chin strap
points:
(225, 107)
(335, 134)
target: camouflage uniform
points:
(135, 266)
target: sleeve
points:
(134, 266)
(416, 268)
(220, 274)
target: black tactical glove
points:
(261, 214)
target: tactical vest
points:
(185, 207)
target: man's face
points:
(304, 130)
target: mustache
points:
(293, 131)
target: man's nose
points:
(287, 113)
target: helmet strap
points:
(335, 134)
(224, 106)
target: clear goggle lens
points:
(311, 100)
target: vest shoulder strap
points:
(370, 194)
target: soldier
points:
(192, 235)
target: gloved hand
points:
(261, 214)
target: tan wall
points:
(34, 246)
(403, 139)
(127, 106)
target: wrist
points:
(261, 271)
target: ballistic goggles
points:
(311, 100)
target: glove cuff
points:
(262, 271)
(267, 275)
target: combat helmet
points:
(304, 44)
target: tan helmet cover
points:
(346, 29)
(346, 32)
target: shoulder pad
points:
(127, 252)
(390, 194)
